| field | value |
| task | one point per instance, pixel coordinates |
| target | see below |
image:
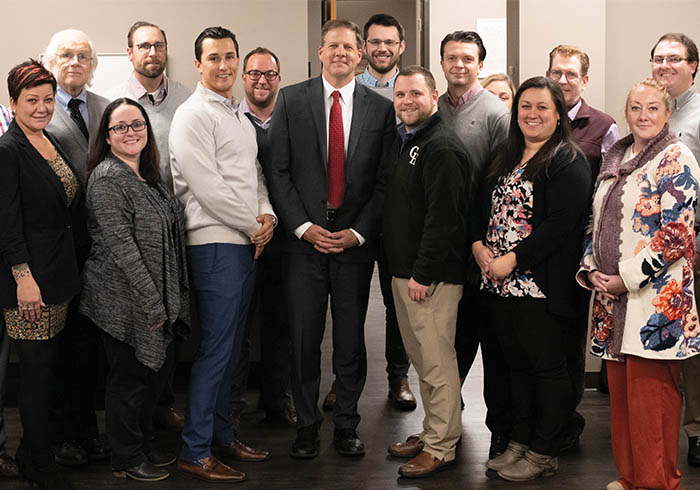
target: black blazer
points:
(552, 251)
(296, 165)
(36, 224)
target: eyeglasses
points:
(389, 43)
(570, 75)
(67, 56)
(123, 128)
(255, 75)
(671, 60)
(146, 47)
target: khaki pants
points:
(428, 333)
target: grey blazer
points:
(69, 136)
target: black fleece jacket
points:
(425, 209)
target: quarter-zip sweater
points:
(426, 204)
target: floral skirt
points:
(51, 322)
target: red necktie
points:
(336, 154)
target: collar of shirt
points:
(466, 96)
(230, 103)
(64, 97)
(245, 109)
(678, 103)
(345, 92)
(366, 78)
(140, 92)
(573, 112)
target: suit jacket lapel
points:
(359, 111)
(64, 118)
(314, 91)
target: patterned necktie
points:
(336, 154)
(74, 106)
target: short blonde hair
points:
(651, 83)
(60, 39)
(499, 77)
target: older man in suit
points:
(72, 59)
(328, 137)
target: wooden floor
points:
(590, 467)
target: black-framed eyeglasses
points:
(122, 128)
(671, 60)
(255, 75)
(570, 75)
(146, 47)
(389, 43)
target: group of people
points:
(497, 217)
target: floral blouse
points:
(511, 212)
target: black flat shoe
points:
(160, 459)
(306, 444)
(347, 443)
(694, 451)
(70, 453)
(143, 472)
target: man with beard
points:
(383, 45)
(147, 48)
(261, 80)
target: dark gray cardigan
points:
(136, 274)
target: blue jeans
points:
(224, 276)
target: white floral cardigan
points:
(642, 229)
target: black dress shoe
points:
(499, 443)
(160, 459)
(347, 443)
(694, 451)
(70, 453)
(143, 472)
(285, 415)
(306, 444)
(97, 448)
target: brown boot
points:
(532, 465)
(400, 393)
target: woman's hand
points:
(610, 286)
(29, 299)
(483, 256)
(501, 266)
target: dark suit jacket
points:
(296, 167)
(64, 129)
(37, 225)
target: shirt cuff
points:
(359, 237)
(301, 229)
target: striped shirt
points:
(5, 119)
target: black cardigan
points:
(552, 251)
(36, 224)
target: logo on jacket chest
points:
(413, 153)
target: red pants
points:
(645, 414)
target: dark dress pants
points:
(311, 279)
(130, 399)
(474, 328)
(37, 364)
(397, 363)
(533, 343)
(4, 358)
(575, 343)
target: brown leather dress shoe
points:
(400, 393)
(329, 401)
(423, 465)
(210, 470)
(169, 418)
(237, 450)
(408, 449)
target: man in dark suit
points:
(72, 59)
(328, 137)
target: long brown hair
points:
(511, 150)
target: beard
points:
(383, 69)
(150, 70)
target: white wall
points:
(27, 29)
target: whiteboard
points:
(112, 70)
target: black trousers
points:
(474, 328)
(397, 363)
(80, 361)
(576, 337)
(311, 280)
(269, 313)
(37, 364)
(533, 343)
(131, 394)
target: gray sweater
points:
(136, 274)
(481, 124)
(160, 115)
